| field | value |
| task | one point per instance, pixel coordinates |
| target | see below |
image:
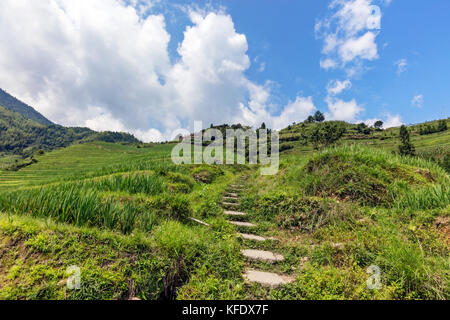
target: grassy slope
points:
(149, 261)
(328, 243)
(35, 255)
(79, 161)
(329, 239)
(386, 139)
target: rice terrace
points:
(98, 209)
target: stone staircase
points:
(270, 279)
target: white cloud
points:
(393, 121)
(328, 64)
(105, 64)
(389, 121)
(262, 67)
(401, 65)
(342, 110)
(417, 101)
(363, 47)
(297, 110)
(336, 87)
(349, 32)
(256, 112)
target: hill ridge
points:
(13, 104)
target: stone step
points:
(252, 237)
(199, 221)
(270, 279)
(230, 198)
(231, 204)
(256, 238)
(231, 194)
(262, 255)
(242, 224)
(234, 213)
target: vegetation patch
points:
(35, 255)
(367, 176)
(206, 174)
(299, 212)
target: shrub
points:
(209, 208)
(303, 213)
(368, 176)
(181, 178)
(172, 206)
(206, 174)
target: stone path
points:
(243, 224)
(234, 213)
(269, 279)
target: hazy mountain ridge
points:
(14, 104)
(23, 136)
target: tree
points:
(263, 126)
(310, 119)
(326, 134)
(378, 125)
(363, 128)
(319, 117)
(406, 148)
(442, 125)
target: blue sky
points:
(151, 67)
(281, 36)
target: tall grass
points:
(88, 202)
(436, 196)
(70, 204)
(375, 177)
(146, 183)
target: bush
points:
(181, 178)
(206, 174)
(209, 208)
(303, 213)
(368, 176)
(172, 206)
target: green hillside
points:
(122, 214)
(22, 136)
(15, 105)
(434, 146)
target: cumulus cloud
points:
(349, 32)
(328, 64)
(337, 86)
(342, 110)
(389, 121)
(417, 101)
(301, 108)
(256, 112)
(105, 64)
(393, 121)
(401, 65)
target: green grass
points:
(121, 214)
(85, 160)
(35, 255)
(319, 208)
(370, 176)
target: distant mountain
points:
(13, 104)
(22, 136)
